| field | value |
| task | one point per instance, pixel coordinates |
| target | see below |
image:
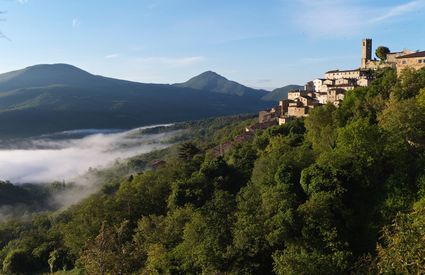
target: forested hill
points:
(213, 82)
(50, 98)
(340, 192)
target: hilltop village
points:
(328, 90)
(332, 88)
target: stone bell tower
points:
(366, 51)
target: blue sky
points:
(261, 43)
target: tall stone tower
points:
(366, 51)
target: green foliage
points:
(52, 98)
(321, 127)
(18, 261)
(187, 151)
(409, 84)
(405, 118)
(213, 82)
(403, 248)
(381, 52)
(339, 192)
(109, 252)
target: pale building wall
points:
(322, 98)
(342, 74)
(323, 89)
(392, 57)
(342, 81)
(297, 111)
(340, 96)
(377, 64)
(414, 63)
(317, 83)
(363, 82)
(284, 120)
(293, 95)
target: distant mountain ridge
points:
(211, 81)
(48, 98)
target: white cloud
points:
(113, 55)
(343, 17)
(76, 23)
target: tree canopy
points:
(381, 52)
(339, 192)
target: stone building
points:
(367, 63)
(336, 83)
(318, 82)
(348, 74)
(297, 111)
(309, 87)
(292, 95)
(272, 114)
(415, 61)
(392, 57)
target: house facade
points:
(415, 61)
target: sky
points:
(259, 43)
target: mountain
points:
(213, 82)
(48, 98)
(280, 93)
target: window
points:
(404, 62)
(420, 61)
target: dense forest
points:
(339, 192)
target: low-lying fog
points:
(66, 156)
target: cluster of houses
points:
(332, 88)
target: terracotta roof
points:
(413, 55)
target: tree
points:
(405, 119)
(187, 151)
(18, 261)
(109, 252)
(403, 248)
(320, 125)
(382, 52)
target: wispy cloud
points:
(2, 35)
(173, 61)
(113, 55)
(400, 10)
(76, 22)
(22, 1)
(341, 17)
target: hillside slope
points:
(213, 82)
(281, 93)
(49, 98)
